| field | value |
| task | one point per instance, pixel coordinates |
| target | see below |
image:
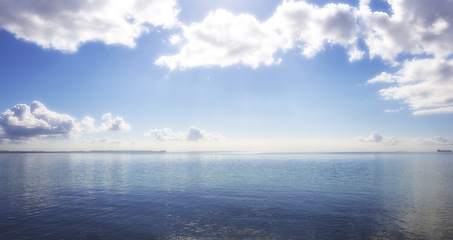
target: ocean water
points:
(226, 196)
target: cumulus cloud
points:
(419, 29)
(310, 27)
(113, 124)
(23, 122)
(87, 124)
(224, 39)
(376, 137)
(415, 27)
(64, 25)
(423, 29)
(426, 85)
(193, 134)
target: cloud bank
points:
(193, 134)
(23, 122)
(414, 33)
(64, 25)
(223, 39)
(418, 30)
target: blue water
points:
(226, 196)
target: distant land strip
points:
(92, 151)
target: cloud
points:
(436, 140)
(104, 140)
(415, 27)
(426, 85)
(166, 134)
(113, 124)
(64, 25)
(310, 27)
(382, 78)
(87, 124)
(193, 134)
(376, 137)
(22, 123)
(223, 39)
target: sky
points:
(226, 75)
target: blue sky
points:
(226, 75)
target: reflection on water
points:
(226, 196)
(429, 210)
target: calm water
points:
(226, 196)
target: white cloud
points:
(393, 110)
(436, 140)
(426, 85)
(64, 25)
(376, 137)
(196, 134)
(310, 27)
(23, 122)
(382, 78)
(104, 140)
(113, 124)
(224, 39)
(441, 110)
(415, 27)
(423, 28)
(166, 134)
(175, 39)
(87, 124)
(193, 134)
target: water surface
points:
(226, 196)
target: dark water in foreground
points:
(226, 196)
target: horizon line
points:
(232, 151)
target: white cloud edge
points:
(192, 134)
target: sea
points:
(226, 195)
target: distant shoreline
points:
(92, 151)
(197, 152)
